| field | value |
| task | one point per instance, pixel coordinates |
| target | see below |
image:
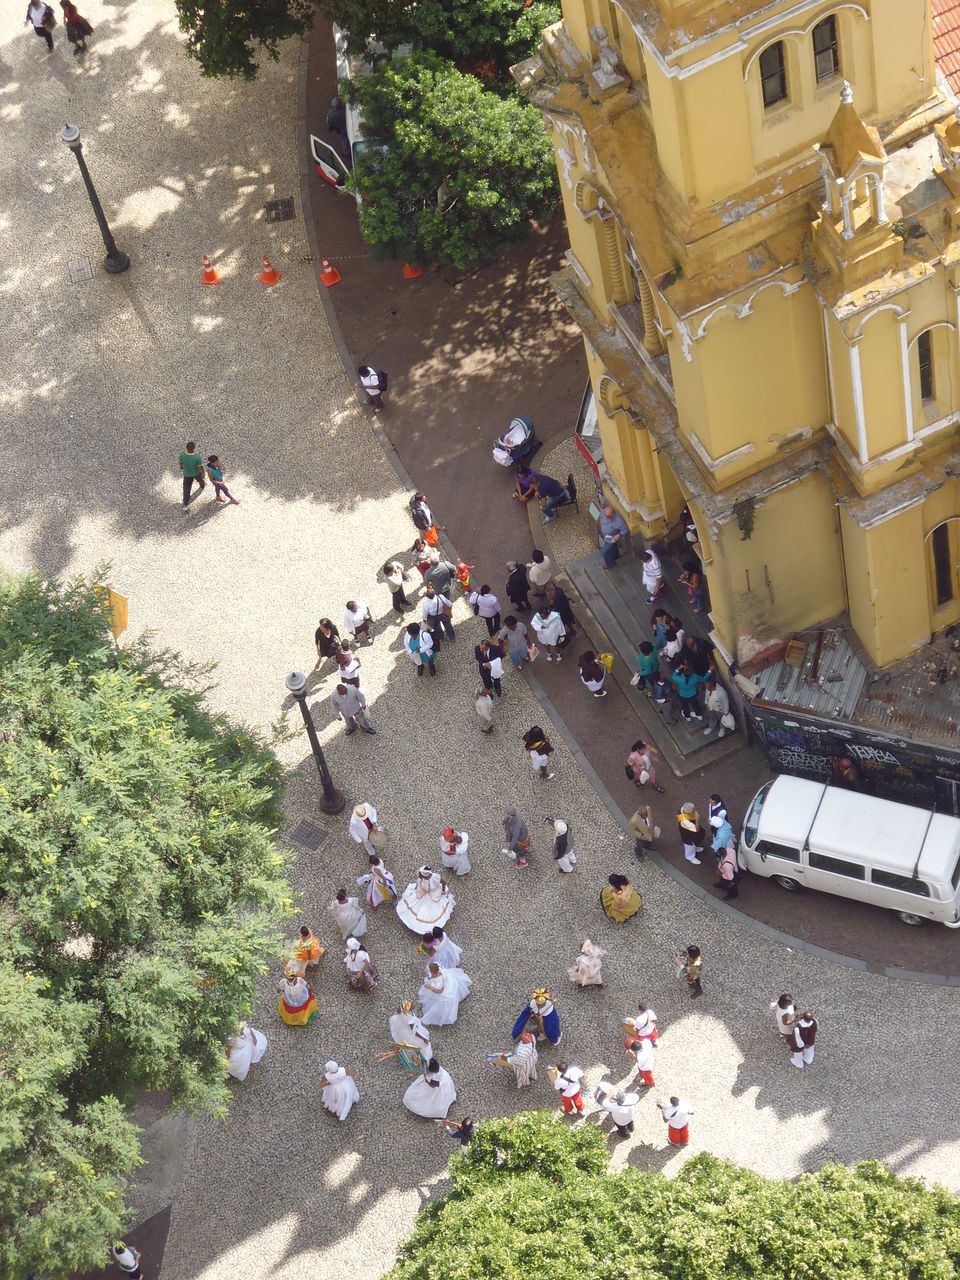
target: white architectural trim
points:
(900, 312)
(907, 388)
(792, 32)
(578, 268)
(831, 382)
(937, 324)
(858, 403)
(900, 451)
(785, 286)
(725, 459)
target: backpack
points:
(419, 515)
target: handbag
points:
(49, 18)
(635, 678)
(728, 721)
(628, 770)
(532, 652)
(430, 536)
(607, 660)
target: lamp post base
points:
(332, 801)
(116, 263)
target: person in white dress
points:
(349, 915)
(362, 973)
(243, 1049)
(432, 1094)
(426, 902)
(411, 1037)
(453, 851)
(339, 1091)
(563, 854)
(441, 994)
(549, 629)
(378, 883)
(363, 822)
(442, 948)
(585, 971)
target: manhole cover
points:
(80, 269)
(308, 834)
(279, 210)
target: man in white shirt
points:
(433, 608)
(569, 1084)
(351, 706)
(357, 619)
(652, 576)
(620, 1105)
(717, 705)
(676, 1114)
(374, 384)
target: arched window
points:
(826, 50)
(925, 359)
(942, 564)
(773, 74)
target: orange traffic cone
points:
(269, 275)
(411, 273)
(210, 274)
(329, 275)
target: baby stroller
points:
(517, 444)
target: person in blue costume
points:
(539, 1016)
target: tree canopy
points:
(461, 170)
(141, 893)
(533, 1200)
(226, 36)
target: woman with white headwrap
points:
(362, 974)
(339, 1091)
(432, 1094)
(243, 1049)
(426, 902)
(441, 993)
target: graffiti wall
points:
(847, 756)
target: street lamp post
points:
(333, 799)
(116, 262)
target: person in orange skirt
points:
(296, 1004)
(307, 952)
(676, 1114)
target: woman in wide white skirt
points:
(246, 1047)
(432, 1094)
(339, 1091)
(441, 993)
(426, 902)
(453, 851)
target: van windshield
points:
(751, 823)
(955, 878)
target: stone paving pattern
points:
(104, 380)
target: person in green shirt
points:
(648, 666)
(191, 468)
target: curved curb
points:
(767, 931)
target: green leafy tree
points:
(533, 1200)
(226, 36)
(141, 893)
(461, 172)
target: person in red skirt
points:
(676, 1114)
(77, 28)
(569, 1084)
(642, 1050)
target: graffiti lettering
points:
(876, 754)
(789, 759)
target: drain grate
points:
(279, 210)
(80, 269)
(309, 834)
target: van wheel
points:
(908, 917)
(785, 882)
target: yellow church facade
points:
(763, 203)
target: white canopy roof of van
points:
(850, 825)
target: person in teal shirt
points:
(688, 682)
(216, 475)
(191, 468)
(648, 665)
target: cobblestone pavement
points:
(104, 381)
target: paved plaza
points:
(104, 379)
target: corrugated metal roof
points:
(839, 681)
(946, 40)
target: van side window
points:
(890, 880)
(839, 866)
(774, 850)
(955, 878)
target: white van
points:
(806, 834)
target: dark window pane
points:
(925, 356)
(774, 850)
(890, 880)
(826, 54)
(838, 866)
(942, 568)
(773, 74)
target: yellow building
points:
(763, 201)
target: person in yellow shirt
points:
(308, 951)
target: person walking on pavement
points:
(356, 620)
(434, 610)
(395, 576)
(613, 529)
(538, 746)
(516, 835)
(490, 664)
(677, 1115)
(440, 574)
(483, 705)
(191, 464)
(518, 588)
(548, 627)
(350, 705)
(127, 1259)
(642, 1051)
(620, 1105)
(327, 639)
(728, 871)
(592, 673)
(803, 1035)
(539, 572)
(374, 383)
(648, 666)
(689, 964)
(77, 28)
(418, 643)
(716, 705)
(41, 17)
(363, 823)
(557, 599)
(215, 468)
(652, 576)
(785, 1012)
(644, 831)
(348, 664)
(513, 638)
(569, 1084)
(486, 606)
(692, 835)
(641, 766)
